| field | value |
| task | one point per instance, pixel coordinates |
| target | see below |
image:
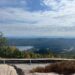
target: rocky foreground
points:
(23, 69)
(10, 70)
(58, 68)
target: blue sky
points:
(37, 18)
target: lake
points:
(24, 47)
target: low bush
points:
(64, 67)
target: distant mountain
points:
(55, 44)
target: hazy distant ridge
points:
(52, 43)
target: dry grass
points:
(65, 67)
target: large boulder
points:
(7, 70)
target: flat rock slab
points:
(7, 70)
(42, 74)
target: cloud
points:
(59, 5)
(58, 21)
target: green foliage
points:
(13, 52)
(2, 40)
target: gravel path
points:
(28, 67)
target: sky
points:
(37, 18)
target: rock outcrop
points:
(7, 70)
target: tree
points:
(2, 40)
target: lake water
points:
(24, 47)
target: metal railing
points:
(30, 61)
